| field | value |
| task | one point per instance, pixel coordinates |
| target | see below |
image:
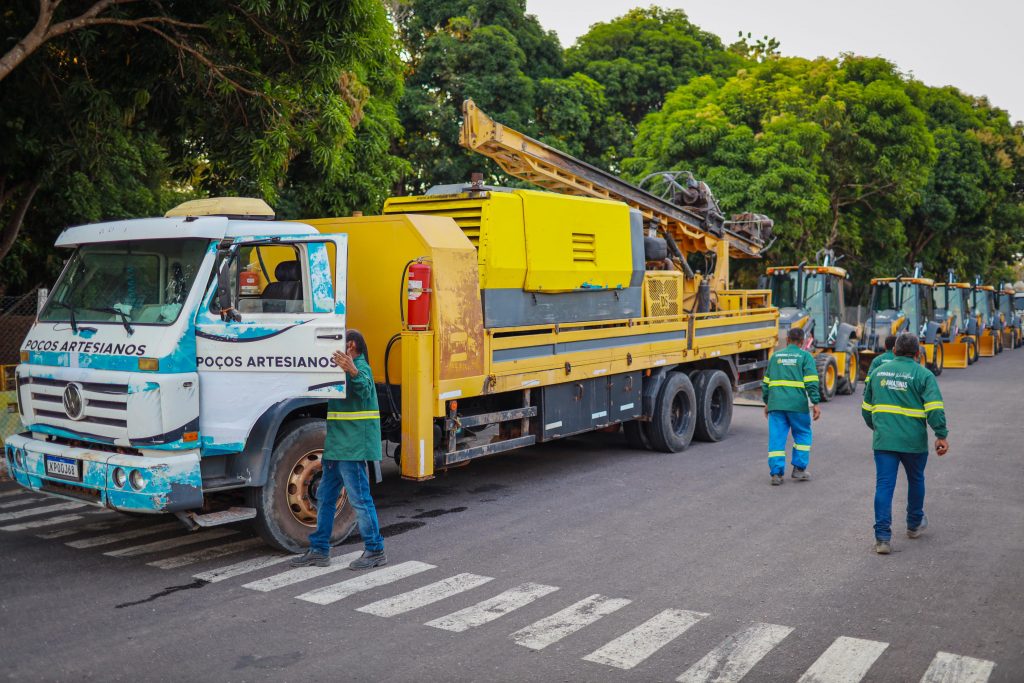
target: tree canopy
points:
(111, 109)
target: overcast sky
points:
(976, 46)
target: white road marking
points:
(169, 543)
(380, 577)
(95, 526)
(204, 554)
(950, 668)
(107, 539)
(239, 568)
(298, 574)
(492, 608)
(846, 660)
(736, 655)
(15, 492)
(633, 647)
(49, 521)
(427, 595)
(19, 503)
(31, 512)
(552, 629)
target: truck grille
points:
(102, 406)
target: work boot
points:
(914, 533)
(311, 558)
(777, 480)
(883, 547)
(801, 475)
(369, 559)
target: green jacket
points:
(790, 380)
(353, 423)
(900, 397)
(882, 358)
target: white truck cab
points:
(164, 345)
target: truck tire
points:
(972, 350)
(939, 362)
(828, 376)
(675, 415)
(847, 384)
(286, 504)
(636, 435)
(998, 342)
(714, 405)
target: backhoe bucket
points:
(987, 346)
(955, 354)
(864, 357)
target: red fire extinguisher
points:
(418, 306)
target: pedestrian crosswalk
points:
(640, 638)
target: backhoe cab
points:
(811, 297)
(1013, 334)
(902, 304)
(958, 327)
(990, 320)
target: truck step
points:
(234, 514)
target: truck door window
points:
(269, 279)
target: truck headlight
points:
(119, 477)
(137, 480)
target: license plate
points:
(63, 468)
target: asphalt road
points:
(701, 571)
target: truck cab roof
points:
(205, 227)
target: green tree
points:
(291, 101)
(643, 55)
(835, 151)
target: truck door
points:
(285, 320)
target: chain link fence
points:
(17, 313)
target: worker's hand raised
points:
(941, 446)
(344, 361)
(816, 411)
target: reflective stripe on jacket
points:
(790, 380)
(353, 423)
(899, 399)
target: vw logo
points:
(73, 403)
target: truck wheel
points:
(286, 504)
(847, 383)
(675, 415)
(940, 359)
(636, 435)
(714, 405)
(828, 375)
(998, 342)
(972, 350)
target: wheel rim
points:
(830, 377)
(717, 405)
(680, 413)
(303, 482)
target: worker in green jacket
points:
(353, 438)
(791, 379)
(899, 400)
(890, 342)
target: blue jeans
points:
(351, 474)
(780, 423)
(887, 467)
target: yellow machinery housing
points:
(953, 309)
(990, 341)
(545, 320)
(903, 304)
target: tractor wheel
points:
(714, 404)
(972, 350)
(675, 415)
(848, 382)
(998, 342)
(939, 359)
(828, 376)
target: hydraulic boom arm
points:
(527, 159)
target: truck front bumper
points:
(165, 483)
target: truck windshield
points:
(141, 282)
(885, 297)
(1018, 302)
(785, 289)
